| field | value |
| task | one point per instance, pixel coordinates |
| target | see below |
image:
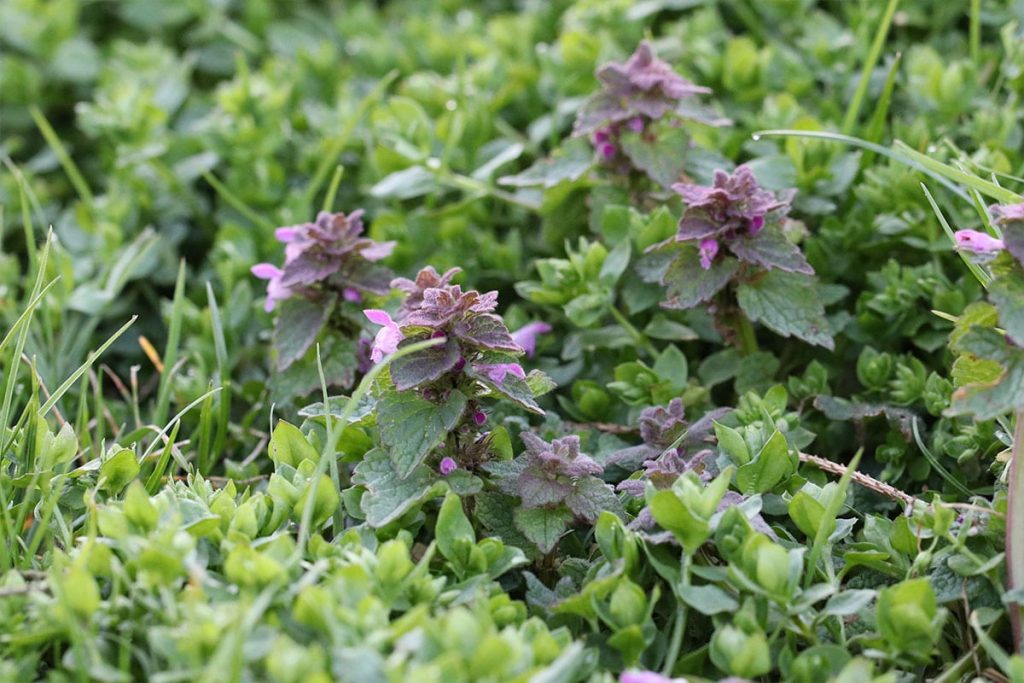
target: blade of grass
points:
(236, 202)
(876, 148)
(220, 349)
(983, 186)
(153, 481)
(876, 124)
(975, 269)
(853, 111)
(163, 393)
(83, 368)
(53, 140)
(332, 188)
(975, 31)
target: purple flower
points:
(275, 290)
(526, 336)
(447, 466)
(607, 150)
(636, 124)
(734, 203)
(496, 372)
(479, 417)
(388, 336)
(708, 251)
(643, 87)
(1007, 213)
(643, 677)
(979, 243)
(328, 252)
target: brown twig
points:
(864, 480)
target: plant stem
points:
(1015, 527)
(679, 627)
(642, 341)
(746, 340)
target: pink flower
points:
(976, 242)
(479, 417)
(351, 294)
(496, 372)
(708, 251)
(526, 336)
(1008, 213)
(643, 677)
(388, 336)
(275, 290)
(607, 150)
(447, 466)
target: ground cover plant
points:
(592, 340)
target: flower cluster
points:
(556, 474)
(670, 446)
(478, 344)
(734, 212)
(633, 94)
(327, 255)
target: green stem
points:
(746, 340)
(679, 628)
(1015, 527)
(638, 336)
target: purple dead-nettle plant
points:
(329, 256)
(329, 268)
(670, 445)
(732, 252)
(446, 386)
(635, 94)
(555, 485)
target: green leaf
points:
(1006, 291)
(806, 513)
(410, 427)
(668, 511)
(388, 496)
(908, 617)
(708, 599)
(409, 372)
(118, 470)
(771, 465)
(662, 158)
(453, 531)
(1003, 394)
(1013, 238)
(732, 442)
(568, 163)
(543, 526)
(615, 264)
(296, 327)
(289, 446)
(688, 284)
(788, 304)
(414, 181)
(770, 248)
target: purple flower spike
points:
(978, 243)
(479, 417)
(708, 251)
(526, 336)
(388, 336)
(643, 677)
(447, 466)
(496, 372)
